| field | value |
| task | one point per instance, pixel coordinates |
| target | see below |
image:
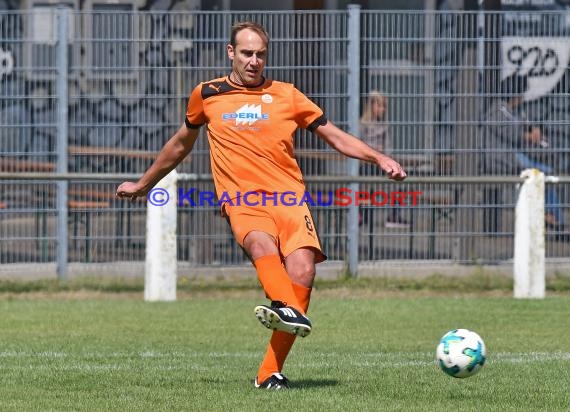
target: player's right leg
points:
(256, 232)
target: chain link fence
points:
(128, 76)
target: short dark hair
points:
(513, 86)
(251, 25)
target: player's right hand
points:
(129, 190)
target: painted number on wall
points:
(535, 61)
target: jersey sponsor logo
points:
(247, 114)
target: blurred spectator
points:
(374, 131)
(514, 144)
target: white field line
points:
(145, 354)
(365, 359)
(424, 359)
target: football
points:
(461, 353)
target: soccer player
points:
(250, 123)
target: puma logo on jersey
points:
(247, 114)
(216, 88)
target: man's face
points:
(248, 58)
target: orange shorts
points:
(291, 226)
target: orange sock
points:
(275, 280)
(281, 342)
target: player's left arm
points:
(351, 146)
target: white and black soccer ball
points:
(461, 353)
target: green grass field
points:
(368, 351)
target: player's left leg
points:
(300, 266)
(300, 246)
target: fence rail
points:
(207, 178)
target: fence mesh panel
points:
(439, 77)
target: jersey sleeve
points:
(195, 116)
(307, 114)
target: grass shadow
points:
(314, 383)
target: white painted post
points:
(160, 268)
(529, 253)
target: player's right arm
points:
(172, 153)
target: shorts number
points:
(309, 223)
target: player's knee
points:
(257, 245)
(302, 273)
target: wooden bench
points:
(124, 207)
(12, 164)
(116, 152)
(80, 204)
(111, 151)
(412, 163)
(438, 202)
(82, 192)
(82, 198)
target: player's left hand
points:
(393, 169)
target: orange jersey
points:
(250, 132)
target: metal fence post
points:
(62, 19)
(353, 117)
(160, 268)
(529, 253)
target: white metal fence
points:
(100, 91)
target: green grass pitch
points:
(201, 353)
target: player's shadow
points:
(313, 383)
